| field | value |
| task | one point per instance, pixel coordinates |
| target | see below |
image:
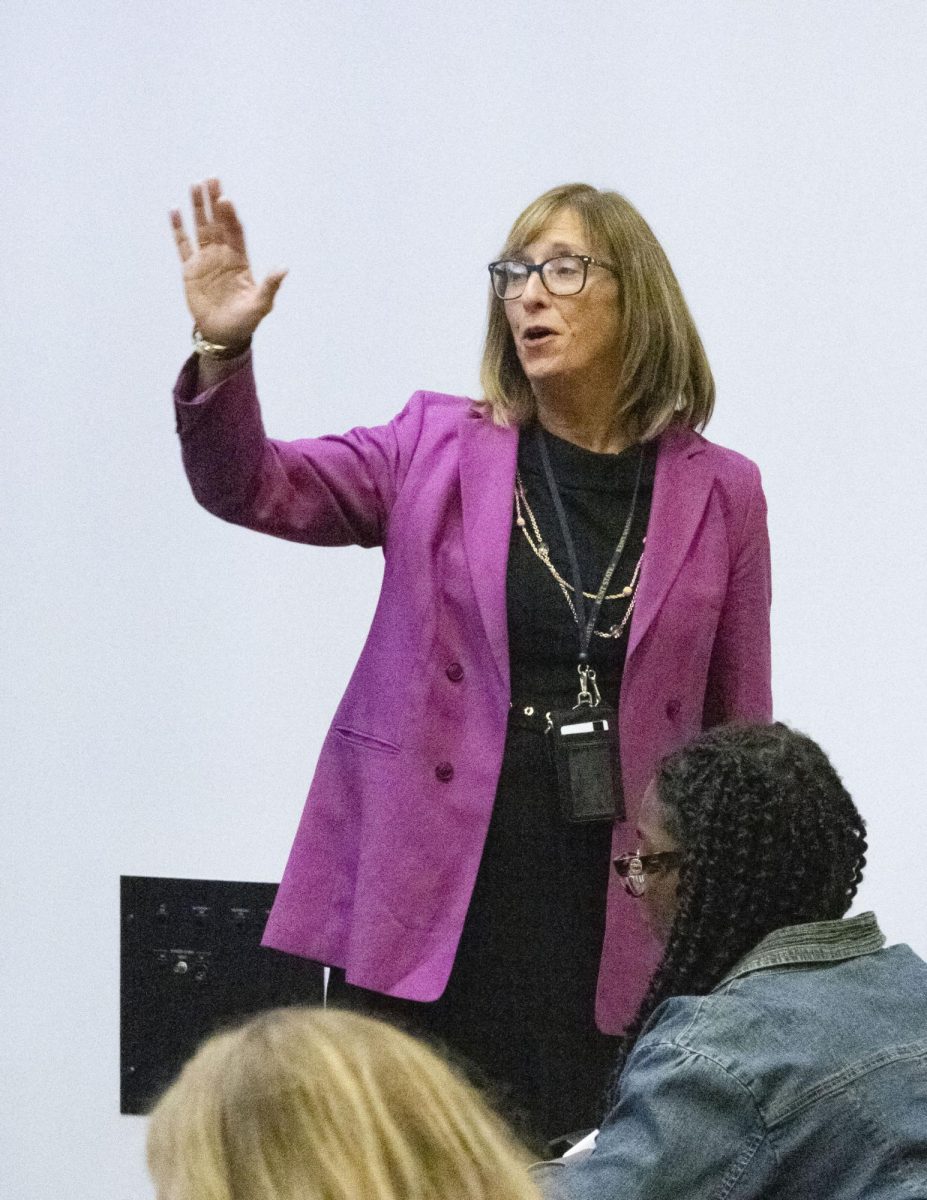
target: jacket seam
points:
(738, 1167)
(840, 1081)
(692, 1052)
(751, 500)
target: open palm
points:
(224, 300)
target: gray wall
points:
(168, 678)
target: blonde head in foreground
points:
(314, 1104)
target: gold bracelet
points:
(215, 349)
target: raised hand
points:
(225, 302)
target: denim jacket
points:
(802, 1075)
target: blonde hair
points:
(662, 374)
(315, 1104)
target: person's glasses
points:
(633, 869)
(563, 276)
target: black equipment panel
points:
(191, 963)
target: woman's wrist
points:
(211, 371)
(218, 351)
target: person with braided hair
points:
(781, 1049)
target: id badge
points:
(584, 746)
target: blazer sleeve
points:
(328, 491)
(739, 686)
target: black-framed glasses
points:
(562, 276)
(633, 869)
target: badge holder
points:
(584, 745)
(584, 738)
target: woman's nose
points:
(535, 292)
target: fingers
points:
(214, 216)
(224, 215)
(201, 221)
(198, 200)
(203, 195)
(269, 289)
(184, 249)
(215, 221)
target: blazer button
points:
(672, 709)
(445, 772)
(455, 672)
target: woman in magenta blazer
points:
(438, 858)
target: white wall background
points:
(167, 678)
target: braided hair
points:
(770, 837)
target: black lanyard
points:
(585, 624)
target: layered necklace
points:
(541, 551)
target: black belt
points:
(532, 714)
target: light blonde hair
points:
(316, 1104)
(662, 374)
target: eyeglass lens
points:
(562, 276)
(635, 881)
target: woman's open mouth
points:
(536, 335)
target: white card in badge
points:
(599, 725)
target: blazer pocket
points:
(366, 741)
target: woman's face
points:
(566, 339)
(659, 898)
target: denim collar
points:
(817, 942)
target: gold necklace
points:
(541, 551)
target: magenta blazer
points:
(387, 850)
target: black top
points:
(524, 981)
(596, 492)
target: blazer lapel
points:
(681, 486)
(487, 480)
